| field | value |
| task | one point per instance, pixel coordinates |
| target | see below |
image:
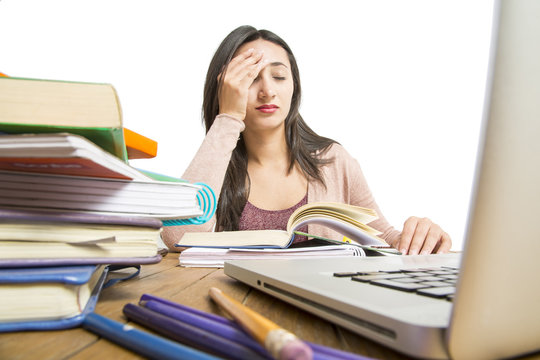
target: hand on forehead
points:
(274, 54)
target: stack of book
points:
(70, 204)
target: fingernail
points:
(403, 251)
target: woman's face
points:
(270, 94)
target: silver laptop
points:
(495, 310)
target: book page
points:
(363, 235)
(353, 213)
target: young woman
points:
(263, 161)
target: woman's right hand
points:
(238, 77)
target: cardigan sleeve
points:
(208, 166)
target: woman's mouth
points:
(268, 108)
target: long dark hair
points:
(305, 146)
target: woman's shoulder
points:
(336, 152)
(340, 163)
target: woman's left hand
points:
(422, 236)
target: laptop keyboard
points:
(437, 282)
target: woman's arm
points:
(345, 182)
(211, 161)
(208, 166)
(419, 235)
(360, 194)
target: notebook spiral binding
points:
(207, 202)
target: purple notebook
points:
(19, 263)
(21, 215)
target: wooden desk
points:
(188, 286)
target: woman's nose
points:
(266, 89)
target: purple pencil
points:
(217, 318)
(231, 330)
(189, 335)
(227, 331)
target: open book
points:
(318, 247)
(348, 220)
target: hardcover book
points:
(139, 146)
(47, 298)
(88, 109)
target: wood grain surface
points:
(188, 286)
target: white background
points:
(399, 83)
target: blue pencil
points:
(143, 343)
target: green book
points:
(91, 110)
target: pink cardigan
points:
(344, 180)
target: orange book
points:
(139, 146)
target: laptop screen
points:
(500, 266)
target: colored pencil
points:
(209, 316)
(230, 329)
(231, 333)
(146, 344)
(189, 335)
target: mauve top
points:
(343, 181)
(254, 218)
